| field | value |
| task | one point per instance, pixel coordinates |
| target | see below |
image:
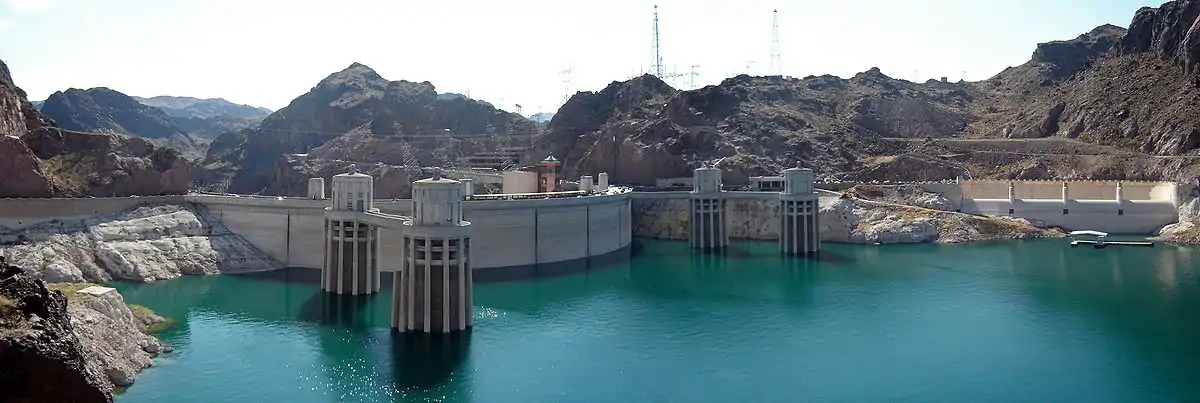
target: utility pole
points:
(776, 66)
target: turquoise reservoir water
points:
(1020, 321)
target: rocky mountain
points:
(40, 160)
(356, 116)
(106, 111)
(188, 107)
(643, 129)
(38, 104)
(1109, 104)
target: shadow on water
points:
(349, 311)
(423, 361)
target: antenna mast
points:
(658, 66)
(776, 67)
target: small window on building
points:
(1064, 211)
(1010, 211)
(1120, 211)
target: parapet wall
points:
(1078, 190)
(22, 213)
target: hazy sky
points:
(267, 52)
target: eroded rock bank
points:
(114, 337)
(144, 244)
(854, 220)
(1187, 230)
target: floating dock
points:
(1101, 240)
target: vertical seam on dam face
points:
(287, 245)
(588, 232)
(537, 255)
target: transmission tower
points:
(566, 77)
(657, 65)
(776, 68)
(692, 76)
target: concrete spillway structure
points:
(433, 289)
(351, 246)
(799, 208)
(706, 211)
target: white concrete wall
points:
(23, 213)
(1140, 216)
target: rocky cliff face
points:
(46, 161)
(351, 116)
(103, 110)
(145, 244)
(41, 359)
(642, 129)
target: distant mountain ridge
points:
(188, 107)
(103, 110)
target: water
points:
(1019, 321)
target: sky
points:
(267, 52)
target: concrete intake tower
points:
(433, 289)
(799, 208)
(352, 247)
(706, 211)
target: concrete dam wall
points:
(291, 231)
(508, 233)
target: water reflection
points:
(422, 362)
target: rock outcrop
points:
(356, 115)
(1187, 230)
(112, 336)
(853, 220)
(144, 244)
(41, 358)
(46, 161)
